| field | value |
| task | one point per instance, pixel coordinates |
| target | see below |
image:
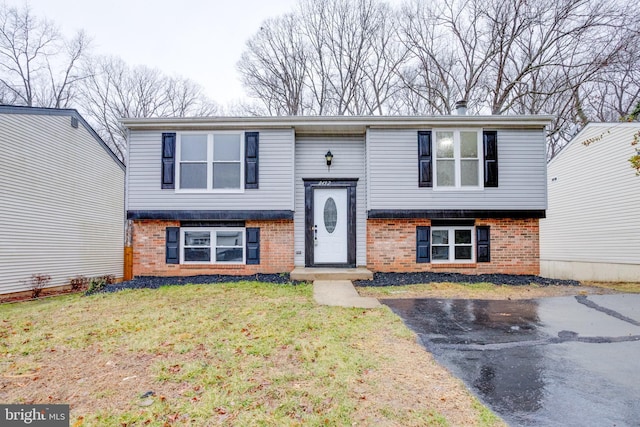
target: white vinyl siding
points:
(275, 177)
(594, 199)
(62, 202)
(393, 174)
(348, 162)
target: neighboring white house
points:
(62, 199)
(592, 228)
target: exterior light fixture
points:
(328, 157)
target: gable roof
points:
(594, 132)
(18, 109)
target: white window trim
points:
(210, 143)
(452, 245)
(458, 161)
(212, 236)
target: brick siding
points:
(276, 251)
(515, 247)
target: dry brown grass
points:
(480, 291)
(236, 354)
(633, 288)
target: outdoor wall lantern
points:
(328, 157)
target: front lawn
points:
(243, 353)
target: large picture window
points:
(457, 158)
(212, 245)
(210, 161)
(452, 244)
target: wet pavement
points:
(566, 361)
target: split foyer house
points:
(395, 194)
(61, 201)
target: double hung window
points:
(452, 244)
(457, 158)
(210, 161)
(213, 245)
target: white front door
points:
(330, 226)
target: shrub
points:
(79, 283)
(96, 284)
(38, 282)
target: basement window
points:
(452, 244)
(212, 245)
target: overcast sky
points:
(198, 39)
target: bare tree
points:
(382, 63)
(616, 90)
(274, 66)
(574, 59)
(449, 53)
(114, 90)
(578, 37)
(345, 31)
(354, 54)
(329, 57)
(519, 56)
(37, 66)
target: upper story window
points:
(457, 158)
(210, 161)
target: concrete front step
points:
(311, 274)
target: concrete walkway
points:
(340, 293)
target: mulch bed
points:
(396, 279)
(154, 282)
(379, 279)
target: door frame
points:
(310, 184)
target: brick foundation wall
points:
(276, 251)
(515, 247)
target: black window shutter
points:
(251, 151)
(168, 160)
(253, 246)
(423, 247)
(490, 143)
(483, 244)
(173, 245)
(424, 159)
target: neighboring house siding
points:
(275, 190)
(62, 202)
(393, 174)
(593, 207)
(348, 162)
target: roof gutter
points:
(347, 123)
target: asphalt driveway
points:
(570, 361)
